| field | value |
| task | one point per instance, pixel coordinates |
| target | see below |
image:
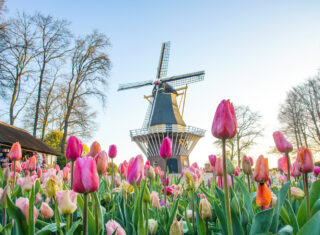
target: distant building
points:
(10, 134)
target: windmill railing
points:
(167, 129)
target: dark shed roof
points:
(10, 134)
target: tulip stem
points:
(85, 214)
(165, 182)
(192, 198)
(306, 191)
(112, 179)
(288, 166)
(4, 217)
(67, 223)
(249, 187)
(14, 175)
(207, 227)
(226, 190)
(72, 169)
(147, 216)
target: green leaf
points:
(100, 215)
(173, 213)
(190, 227)
(286, 230)
(312, 226)
(91, 222)
(316, 207)
(261, 222)
(246, 197)
(293, 218)
(236, 225)
(7, 229)
(19, 218)
(37, 187)
(31, 219)
(73, 228)
(201, 227)
(49, 229)
(222, 218)
(276, 212)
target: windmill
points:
(163, 117)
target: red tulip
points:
(224, 124)
(15, 152)
(86, 179)
(112, 151)
(102, 162)
(263, 198)
(282, 144)
(32, 163)
(166, 148)
(135, 170)
(285, 165)
(74, 148)
(212, 159)
(39, 172)
(236, 173)
(218, 167)
(157, 170)
(95, 148)
(261, 171)
(305, 161)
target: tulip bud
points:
(246, 165)
(6, 174)
(15, 152)
(152, 227)
(113, 226)
(218, 167)
(74, 148)
(146, 194)
(282, 144)
(261, 171)
(224, 125)
(297, 193)
(102, 162)
(263, 198)
(166, 148)
(176, 227)
(316, 171)
(205, 209)
(230, 167)
(95, 148)
(86, 179)
(46, 211)
(305, 161)
(67, 201)
(151, 173)
(212, 160)
(3, 197)
(112, 151)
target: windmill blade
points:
(164, 60)
(127, 86)
(182, 80)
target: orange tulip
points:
(261, 171)
(263, 198)
(95, 148)
(32, 163)
(305, 161)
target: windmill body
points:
(164, 117)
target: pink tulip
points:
(113, 226)
(46, 211)
(224, 125)
(32, 163)
(65, 173)
(112, 151)
(154, 197)
(212, 160)
(95, 148)
(157, 170)
(34, 173)
(39, 172)
(25, 165)
(38, 198)
(246, 165)
(285, 165)
(236, 173)
(23, 204)
(218, 167)
(251, 160)
(135, 170)
(316, 171)
(15, 152)
(166, 182)
(305, 161)
(26, 183)
(123, 168)
(170, 189)
(166, 148)
(282, 144)
(57, 167)
(74, 148)
(18, 166)
(221, 182)
(102, 162)
(86, 179)
(280, 164)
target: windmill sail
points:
(164, 60)
(182, 80)
(127, 86)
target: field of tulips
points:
(92, 195)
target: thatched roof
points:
(10, 134)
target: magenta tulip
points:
(74, 148)
(86, 179)
(212, 160)
(135, 170)
(282, 144)
(112, 151)
(295, 170)
(316, 171)
(224, 124)
(166, 148)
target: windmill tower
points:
(163, 117)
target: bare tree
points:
(249, 129)
(16, 59)
(89, 70)
(52, 45)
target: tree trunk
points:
(13, 100)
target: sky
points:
(253, 52)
